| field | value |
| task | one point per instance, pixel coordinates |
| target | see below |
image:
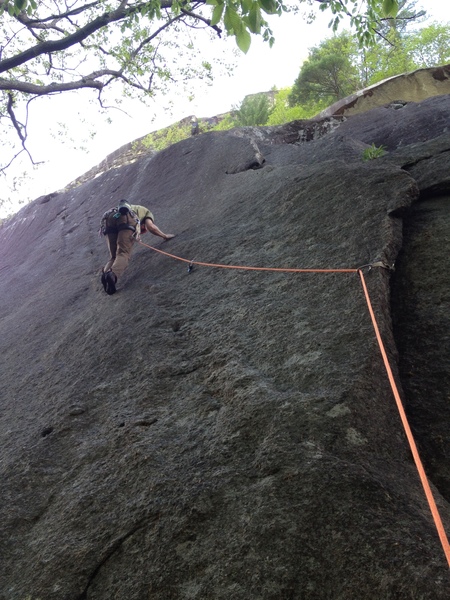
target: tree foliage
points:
(430, 46)
(338, 66)
(282, 112)
(329, 73)
(121, 47)
(407, 15)
(166, 137)
(423, 48)
(368, 21)
(253, 110)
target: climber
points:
(122, 226)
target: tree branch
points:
(12, 116)
(20, 129)
(188, 13)
(89, 81)
(153, 35)
(78, 36)
(26, 20)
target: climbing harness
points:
(412, 444)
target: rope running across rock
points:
(422, 475)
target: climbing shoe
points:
(104, 281)
(110, 283)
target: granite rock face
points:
(414, 86)
(227, 434)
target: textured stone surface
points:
(421, 294)
(415, 86)
(228, 434)
(395, 93)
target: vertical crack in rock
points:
(421, 318)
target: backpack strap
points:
(132, 223)
(123, 226)
(104, 221)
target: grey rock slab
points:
(225, 433)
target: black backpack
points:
(119, 218)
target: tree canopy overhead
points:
(51, 47)
(329, 73)
(338, 67)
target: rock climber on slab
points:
(123, 226)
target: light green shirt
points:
(142, 212)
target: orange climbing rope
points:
(423, 478)
(245, 268)
(406, 427)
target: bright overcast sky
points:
(258, 71)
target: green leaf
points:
(268, 6)
(243, 40)
(254, 19)
(217, 14)
(231, 20)
(390, 8)
(247, 5)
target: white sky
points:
(258, 71)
